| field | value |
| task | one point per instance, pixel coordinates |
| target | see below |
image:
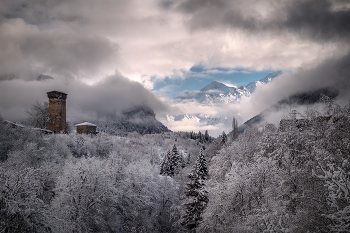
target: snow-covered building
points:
(86, 128)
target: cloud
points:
(320, 20)
(85, 41)
(27, 51)
(112, 95)
(88, 39)
(193, 116)
(330, 73)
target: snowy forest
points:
(271, 179)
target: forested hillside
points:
(273, 180)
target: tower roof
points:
(56, 95)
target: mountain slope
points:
(139, 119)
(297, 100)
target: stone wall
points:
(86, 129)
(57, 111)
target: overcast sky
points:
(154, 41)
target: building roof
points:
(14, 124)
(56, 95)
(85, 123)
(60, 92)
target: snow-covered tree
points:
(197, 195)
(172, 162)
(234, 128)
(164, 166)
(21, 206)
(223, 138)
(200, 137)
(206, 136)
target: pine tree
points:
(172, 162)
(176, 161)
(201, 166)
(164, 167)
(197, 196)
(200, 137)
(189, 158)
(234, 128)
(223, 138)
(206, 136)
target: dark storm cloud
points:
(26, 51)
(46, 36)
(115, 94)
(33, 11)
(318, 20)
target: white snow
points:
(85, 123)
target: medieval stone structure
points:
(86, 128)
(57, 111)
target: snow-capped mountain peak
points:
(217, 92)
(216, 96)
(215, 85)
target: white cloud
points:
(140, 39)
(114, 94)
(89, 40)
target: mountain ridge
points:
(215, 95)
(217, 92)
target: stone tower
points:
(57, 111)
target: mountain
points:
(140, 119)
(297, 100)
(215, 97)
(217, 92)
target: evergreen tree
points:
(200, 137)
(201, 166)
(197, 196)
(164, 168)
(176, 161)
(206, 136)
(172, 162)
(189, 158)
(223, 138)
(234, 128)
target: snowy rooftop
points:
(85, 123)
(15, 124)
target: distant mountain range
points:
(217, 92)
(219, 95)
